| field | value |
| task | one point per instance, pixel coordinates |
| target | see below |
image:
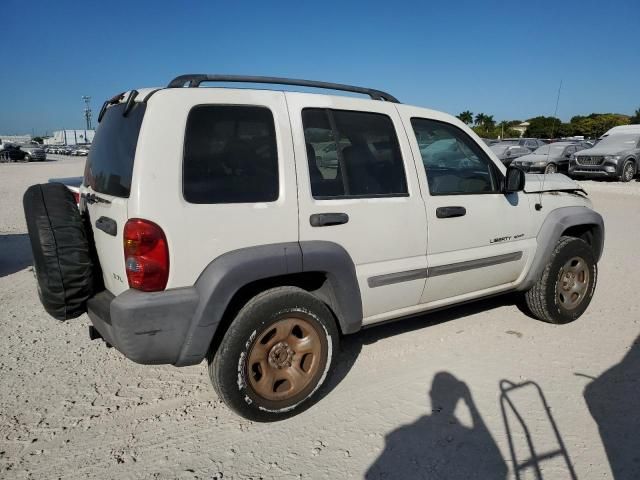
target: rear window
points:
(230, 155)
(110, 162)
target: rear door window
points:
(352, 154)
(110, 163)
(230, 155)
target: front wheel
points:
(275, 355)
(566, 286)
(628, 171)
(551, 168)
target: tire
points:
(61, 253)
(551, 168)
(259, 353)
(628, 171)
(27, 158)
(566, 286)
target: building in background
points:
(70, 137)
(521, 127)
(15, 138)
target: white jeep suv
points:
(253, 228)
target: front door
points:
(480, 239)
(353, 160)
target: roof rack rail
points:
(194, 80)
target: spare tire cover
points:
(60, 247)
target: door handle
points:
(328, 219)
(450, 212)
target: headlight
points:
(612, 157)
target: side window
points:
(352, 154)
(453, 162)
(230, 155)
(570, 149)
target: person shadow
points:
(439, 445)
(613, 400)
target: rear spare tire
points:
(60, 247)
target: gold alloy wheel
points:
(573, 283)
(285, 359)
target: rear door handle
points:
(328, 219)
(450, 212)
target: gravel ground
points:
(423, 398)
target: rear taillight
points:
(146, 255)
(76, 197)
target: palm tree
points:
(466, 117)
(480, 118)
(488, 122)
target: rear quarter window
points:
(230, 155)
(110, 162)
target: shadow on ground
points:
(15, 253)
(614, 402)
(438, 445)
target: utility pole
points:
(87, 110)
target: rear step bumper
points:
(148, 328)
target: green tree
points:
(543, 127)
(38, 140)
(480, 119)
(635, 119)
(466, 117)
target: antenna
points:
(538, 205)
(87, 110)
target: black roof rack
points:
(194, 80)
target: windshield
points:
(621, 140)
(110, 163)
(553, 150)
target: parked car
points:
(614, 156)
(10, 152)
(33, 152)
(217, 236)
(507, 152)
(549, 158)
(491, 141)
(530, 143)
(81, 151)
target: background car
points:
(11, 153)
(507, 152)
(33, 152)
(614, 156)
(549, 158)
(530, 143)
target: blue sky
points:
(500, 58)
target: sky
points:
(504, 59)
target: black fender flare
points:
(227, 274)
(557, 222)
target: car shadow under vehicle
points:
(15, 253)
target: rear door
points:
(107, 185)
(353, 160)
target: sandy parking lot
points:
(423, 398)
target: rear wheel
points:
(628, 171)
(566, 286)
(275, 355)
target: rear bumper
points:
(148, 328)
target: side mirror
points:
(567, 155)
(514, 180)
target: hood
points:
(30, 148)
(552, 182)
(531, 158)
(605, 150)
